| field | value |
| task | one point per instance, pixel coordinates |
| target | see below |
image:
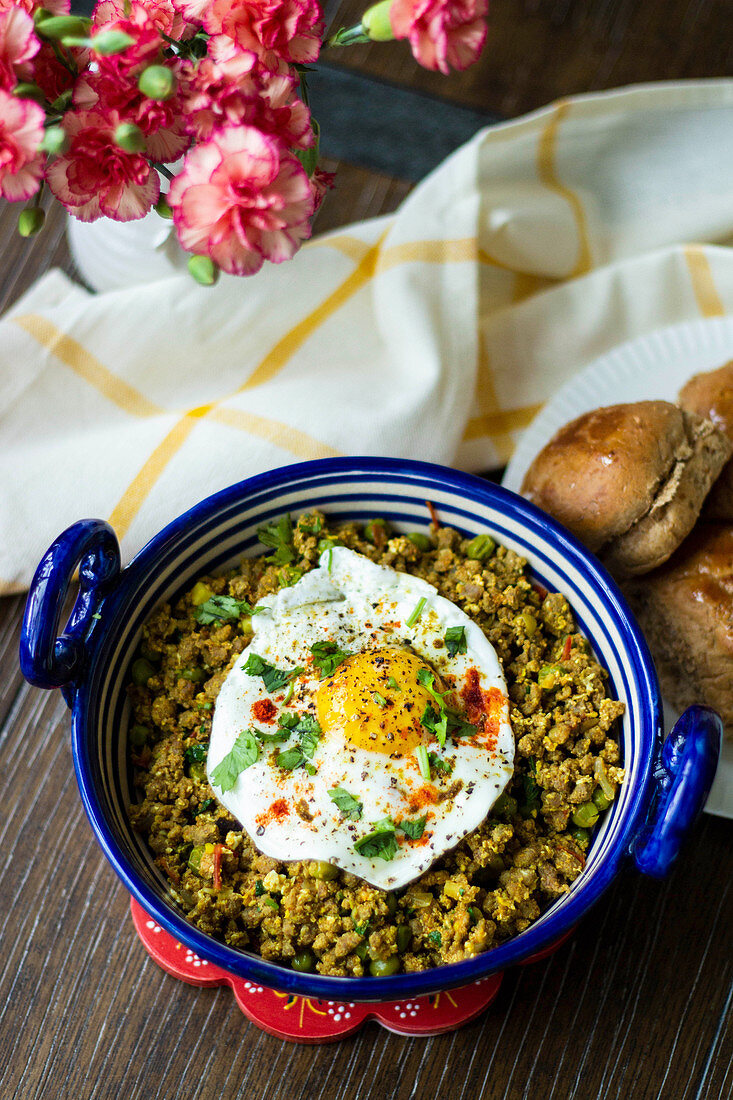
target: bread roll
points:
(686, 612)
(629, 480)
(711, 395)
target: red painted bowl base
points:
(306, 1020)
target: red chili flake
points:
(483, 708)
(426, 795)
(433, 514)
(218, 849)
(264, 710)
(540, 590)
(276, 812)
(566, 648)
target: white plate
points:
(653, 366)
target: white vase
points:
(111, 255)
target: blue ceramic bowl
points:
(666, 783)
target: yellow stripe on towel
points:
(547, 172)
(708, 300)
(281, 435)
(71, 353)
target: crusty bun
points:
(629, 480)
(711, 395)
(686, 612)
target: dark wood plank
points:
(541, 50)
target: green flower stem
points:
(349, 37)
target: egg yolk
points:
(374, 701)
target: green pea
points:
(505, 805)
(422, 542)
(289, 576)
(139, 735)
(580, 836)
(382, 968)
(303, 961)
(197, 772)
(376, 530)
(150, 654)
(599, 799)
(194, 860)
(480, 548)
(475, 914)
(319, 868)
(141, 672)
(392, 903)
(195, 675)
(586, 815)
(245, 624)
(548, 676)
(362, 951)
(404, 938)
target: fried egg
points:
(366, 725)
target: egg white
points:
(360, 606)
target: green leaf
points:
(380, 843)
(439, 763)
(290, 759)
(195, 753)
(244, 752)
(349, 806)
(260, 888)
(205, 805)
(111, 42)
(309, 157)
(279, 536)
(391, 682)
(272, 738)
(413, 829)
(435, 723)
(455, 640)
(327, 657)
(226, 608)
(379, 699)
(273, 678)
(436, 938)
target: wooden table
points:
(636, 1005)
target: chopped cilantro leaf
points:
(455, 640)
(244, 752)
(379, 699)
(290, 759)
(439, 763)
(436, 938)
(272, 738)
(413, 829)
(423, 761)
(205, 805)
(279, 536)
(195, 753)
(288, 721)
(435, 723)
(259, 888)
(380, 843)
(225, 608)
(350, 807)
(391, 682)
(327, 657)
(273, 678)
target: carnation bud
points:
(376, 22)
(162, 208)
(129, 137)
(156, 82)
(40, 14)
(60, 26)
(203, 270)
(107, 43)
(30, 221)
(63, 101)
(29, 91)
(55, 141)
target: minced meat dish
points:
(310, 915)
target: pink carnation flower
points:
(442, 33)
(21, 133)
(240, 90)
(56, 7)
(163, 13)
(191, 9)
(94, 178)
(112, 85)
(241, 199)
(290, 30)
(18, 44)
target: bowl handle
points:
(683, 776)
(49, 659)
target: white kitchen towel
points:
(435, 333)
